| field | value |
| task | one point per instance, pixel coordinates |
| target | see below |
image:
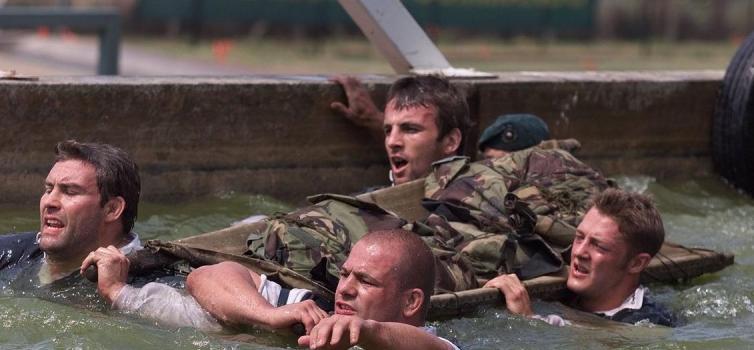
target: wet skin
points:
(600, 263)
(411, 141)
(70, 213)
(368, 284)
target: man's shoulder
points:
(651, 311)
(15, 247)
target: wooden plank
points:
(674, 263)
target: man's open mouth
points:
(580, 268)
(344, 309)
(398, 162)
(53, 223)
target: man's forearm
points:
(165, 305)
(228, 292)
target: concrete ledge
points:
(276, 134)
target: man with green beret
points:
(512, 132)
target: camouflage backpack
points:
(316, 240)
(495, 212)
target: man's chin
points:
(576, 285)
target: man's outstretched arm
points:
(361, 110)
(229, 292)
(343, 331)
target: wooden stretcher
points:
(672, 264)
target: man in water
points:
(90, 200)
(426, 119)
(381, 301)
(614, 243)
(509, 133)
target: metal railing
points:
(105, 21)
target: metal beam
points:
(105, 21)
(390, 27)
(395, 33)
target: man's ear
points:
(451, 142)
(412, 302)
(638, 263)
(114, 209)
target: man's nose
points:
(393, 139)
(51, 200)
(578, 248)
(347, 286)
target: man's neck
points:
(56, 267)
(53, 269)
(607, 301)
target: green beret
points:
(514, 132)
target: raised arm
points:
(344, 331)
(229, 292)
(361, 110)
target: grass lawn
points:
(356, 55)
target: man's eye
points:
(47, 190)
(601, 247)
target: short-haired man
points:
(426, 119)
(90, 200)
(614, 243)
(381, 301)
(508, 133)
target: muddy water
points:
(717, 308)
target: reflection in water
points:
(718, 308)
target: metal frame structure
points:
(105, 21)
(397, 35)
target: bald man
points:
(381, 301)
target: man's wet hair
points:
(637, 218)
(117, 175)
(431, 91)
(416, 266)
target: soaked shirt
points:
(21, 260)
(639, 306)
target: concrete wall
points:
(277, 135)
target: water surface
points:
(717, 307)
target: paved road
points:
(54, 55)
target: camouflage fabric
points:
(316, 240)
(551, 181)
(473, 228)
(468, 205)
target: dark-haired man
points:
(508, 133)
(614, 243)
(425, 120)
(90, 200)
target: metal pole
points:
(109, 49)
